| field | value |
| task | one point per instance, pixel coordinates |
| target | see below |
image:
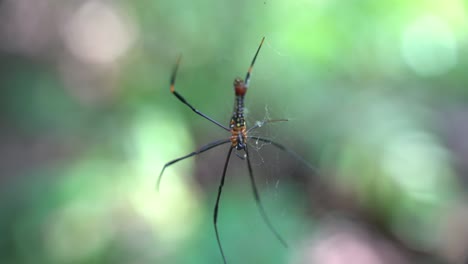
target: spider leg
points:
(247, 77)
(182, 99)
(202, 149)
(259, 203)
(215, 213)
(290, 152)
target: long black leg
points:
(202, 149)
(182, 99)
(247, 77)
(259, 203)
(215, 215)
(289, 151)
(261, 123)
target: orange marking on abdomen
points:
(235, 131)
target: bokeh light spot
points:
(429, 46)
(153, 144)
(77, 231)
(98, 34)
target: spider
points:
(239, 141)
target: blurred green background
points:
(375, 93)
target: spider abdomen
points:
(238, 137)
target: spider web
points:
(266, 159)
(264, 130)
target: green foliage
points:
(365, 86)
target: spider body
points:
(239, 141)
(237, 125)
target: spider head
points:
(239, 87)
